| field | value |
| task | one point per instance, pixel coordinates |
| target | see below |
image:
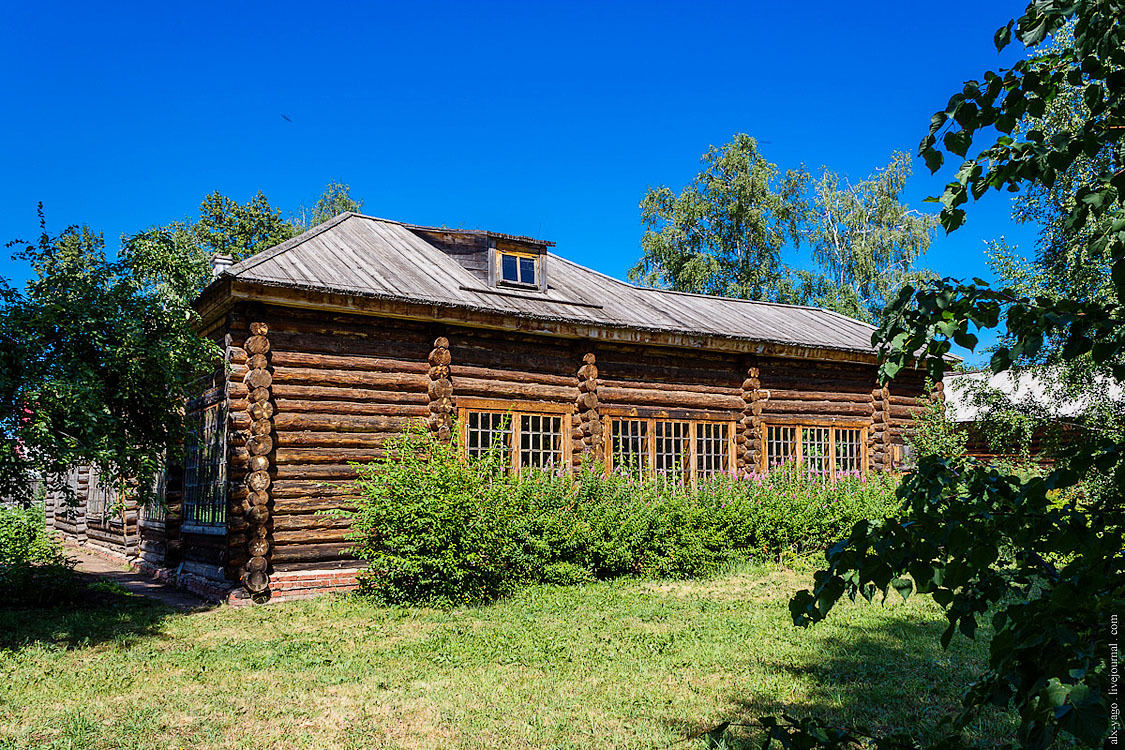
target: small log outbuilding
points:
(335, 339)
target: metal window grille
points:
(815, 445)
(849, 456)
(781, 444)
(154, 511)
(711, 448)
(630, 444)
(540, 441)
(205, 475)
(99, 498)
(672, 440)
(487, 431)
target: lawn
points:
(624, 664)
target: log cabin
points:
(338, 337)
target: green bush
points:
(33, 569)
(438, 528)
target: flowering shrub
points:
(439, 528)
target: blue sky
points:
(527, 118)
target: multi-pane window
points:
(630, 444)
(518, 268)
(100, 497)
(849, 451)
(823, 451)
(781, 444)
(541, 444)
(153, 510)
(522, 440)
(205, 479)
(669, 447)
(712, 442)
(673, 447)
(487, 431)
(816, 445)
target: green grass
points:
(626, 664)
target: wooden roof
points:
(364, 256)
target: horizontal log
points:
(817, 408)
(906, 400)
(289, 488)
(680, 399)
(504, 389)
(296, 422)
(328, 440)
(285, 456)
(284, 392)
(315, 471)
(718, 390)
(351, 378)
(309, 552)
(418, 408)
(794, 395)
(523, 375)
(311, 536)
(303, 359)
(304, 521)
(306, 505)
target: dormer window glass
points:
(518, 268)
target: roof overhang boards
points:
(220, 297)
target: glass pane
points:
(781, 444)
(527, 270)
(814, 450)
(540, 441)
(710, 448)
(509, 267)
(630, 445)
(671, 447)
(848, 453)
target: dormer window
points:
(519, 268)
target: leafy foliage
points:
(99, 355)
(436, 527)
(725, 232)
(33, 569)
(97, 361)
(1033, 556)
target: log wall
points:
(311, 391)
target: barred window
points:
(100, 496)
(815, 446)
(849, 451)
(154, 511)
(630, 444)
(688, 449)
(823, 451)
(541, 444)
(712, 440)
(673, 447)
(487, 431)
(523, 439)
(781, 444)
(205, 475)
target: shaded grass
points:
(624, 664)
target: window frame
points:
(650, 438)
(516, 410)
(217, 505)
(800, 426)
(517, 254)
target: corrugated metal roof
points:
(366, 256)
